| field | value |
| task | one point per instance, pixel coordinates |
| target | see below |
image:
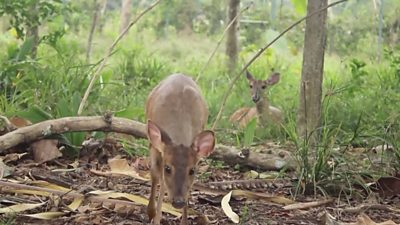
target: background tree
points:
(96, 7)
(126, 10)
(232, 41)
(309, 111)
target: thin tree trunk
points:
(232, 42)
(309, 111)
(125, 14)
(102, 19)
(33, 30)
(92, 29)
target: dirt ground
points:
(218, 179)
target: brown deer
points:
(176, 113)
(263, 111)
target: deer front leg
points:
(151, 207)
(157, 218)
(184, 220)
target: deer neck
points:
(262, 107)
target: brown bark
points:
(126, 9)
(71, 124)
(309, 111)
(232, 42)
(102, 19)
(33, 29)
(95, 18)
(266, 160)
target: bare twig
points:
(365, 207)
(227, 93)
(220, 41)
(9, 125)
(108, 53)
(307, 205)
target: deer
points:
(176, 117)
(263, 111)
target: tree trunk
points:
(33, 29)
(232, 42)
(96, 7)
(125, 14)
(309, 111)
(102, 19)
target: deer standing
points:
(177, 114)
(263, 111)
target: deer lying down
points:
(176, 113)
(263, 111)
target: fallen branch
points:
(71, 124)
(236, 78)
(107, 123)
(252, 159)
(108, 54)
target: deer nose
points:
(178, 203)
(255, 98)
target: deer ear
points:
(154, 135)
(204, 143)
(273, 78)
(249, 76)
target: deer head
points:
(179, 161)
(258, 87)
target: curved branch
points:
(108, 54)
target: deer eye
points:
(191, 172)
(264, 86)
(167, 169)
(251, 86)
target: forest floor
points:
(91, 174)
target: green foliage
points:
(29, 13)
(249, 132)
(7, 220)
(300, 6)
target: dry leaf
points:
(252, 174)
(5, 170)
(363, 219)
(227, 208)
(119, 166)
(166, 207)
(45, 150)
(20, 207)
(13, 157)
(46, 215)
(75, 204)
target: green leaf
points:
(300, 6)
(131, 112)
(35, 114)
(25, 49)
(249, 132)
